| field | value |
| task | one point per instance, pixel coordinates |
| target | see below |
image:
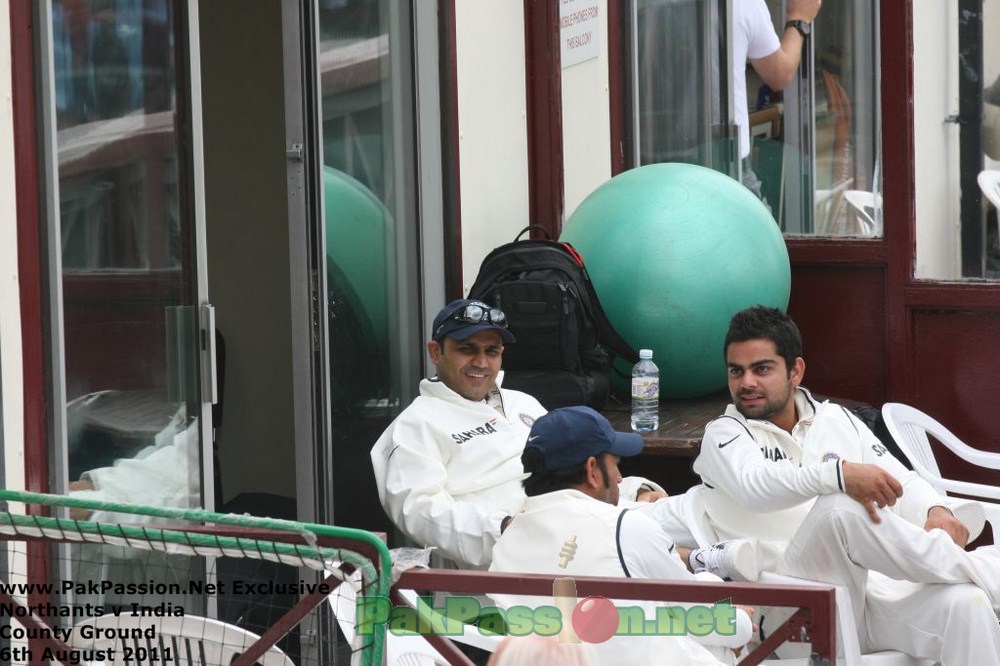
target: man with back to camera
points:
(774, 58)
(572, 459)
(448, 468)
(830, 503)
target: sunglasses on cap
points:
(474, 313)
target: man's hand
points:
(76, 513)
(649, 495)
(872, 486)
(943, 519)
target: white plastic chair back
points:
(989, 183)
(862, 205)
(910, 427)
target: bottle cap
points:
(645, 354)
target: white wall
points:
(11, 394)
(935, 97)
(587, 121)
(492, 129)
(492, 122)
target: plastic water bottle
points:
(645, 393)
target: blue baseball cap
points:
(566, 437)
(466, 317)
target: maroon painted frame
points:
(816, 605)
(452, 184)
(30, 230)
(30, 269)
(543, 79)
(616, 83)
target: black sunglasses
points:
(474, 313)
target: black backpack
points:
(565, 343)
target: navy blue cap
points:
(449, 323)
(566, 437)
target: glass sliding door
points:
(128, 313)
(366, 66)
(820, 170)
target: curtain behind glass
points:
(678, 86)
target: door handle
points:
(207, 350)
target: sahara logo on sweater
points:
(485, 429)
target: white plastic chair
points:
(828, 204)
(862, 205)
(190, 640)
(848, 648)
(910, 426)
(989, 183)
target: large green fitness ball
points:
(674, 251)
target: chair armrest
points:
(981, 458)
(974, 490)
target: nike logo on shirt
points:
(723, 445)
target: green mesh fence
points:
(190, 585)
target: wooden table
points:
(682, 424)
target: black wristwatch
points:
(804, 27)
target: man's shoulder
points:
(730, 421)
(557, 501)
(513, 396)
(827, 408)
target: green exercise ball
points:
(674, 250)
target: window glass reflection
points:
(678, 109)
(128, 285)
(956, 109)
(361, 158)
(813, 146)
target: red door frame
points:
(30, 230)
(543, 77)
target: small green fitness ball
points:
(674, 250)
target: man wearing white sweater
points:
(830, 503)
(448, 468)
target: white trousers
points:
(912, 590)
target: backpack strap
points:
(533, 227)
(606, 332)
(573, 253)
